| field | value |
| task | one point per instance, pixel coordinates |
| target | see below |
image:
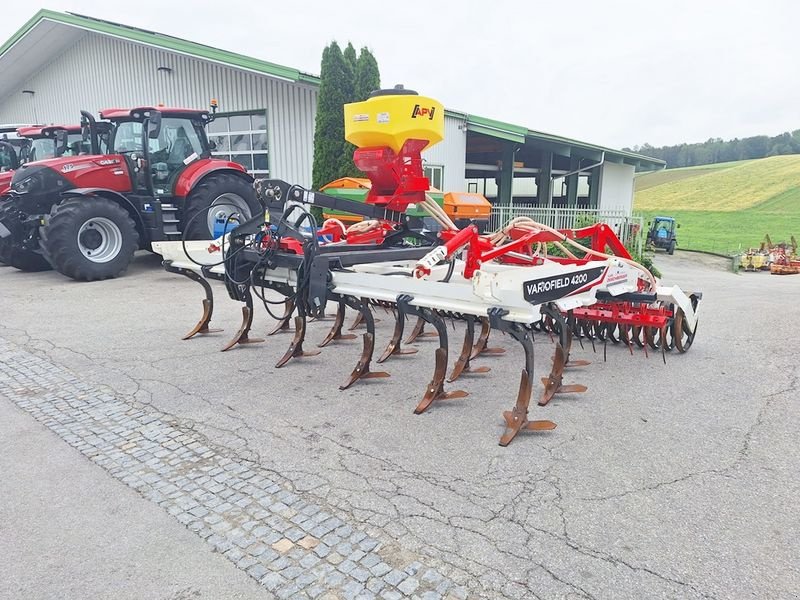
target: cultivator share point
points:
(524, 278)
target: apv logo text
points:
(423, 112)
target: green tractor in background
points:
(662, 234)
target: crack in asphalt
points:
(392, 479)
(742, 453)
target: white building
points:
(60, 63)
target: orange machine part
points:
(463, 205)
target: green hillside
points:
(728, 206)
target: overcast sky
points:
(611, 72)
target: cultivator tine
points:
(566, 344)
(565, 328)
(419, 332)
(574, 331)
(517, 418)
(357, 322)
(435, 389)
(576, 363)
(243, 334)
(295, 349)
(361, 370)
(462, 364)
(283, 323)
(393, 347)
(553, 383)
(419, 327)
(481, 346)
(326, 317)
(202, 327)
(591, 339)
(623, 330)
(336, 331)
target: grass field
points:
(726, 207)
(646, 181)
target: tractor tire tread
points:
(59, 242)
(194, 225)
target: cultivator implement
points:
(509, 281)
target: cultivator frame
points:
(505, 281)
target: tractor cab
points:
(148, 176)
(50, 142)
(661, 234)
(10, 145)
(158, 144)
(9, 156)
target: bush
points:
(645, 259)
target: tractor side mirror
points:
(62, 141)
(648, 223)
(154, 125)
(678, 225)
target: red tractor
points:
(37, 142)
(85, 216)
(11, 146)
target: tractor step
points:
(170, 221)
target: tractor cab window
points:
(103, 141)
(7, 158)
(41, 149)
(128, 138)
(76, 145)
(178, 142)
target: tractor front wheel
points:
(671, 248)
(217, 205)
(89, 238)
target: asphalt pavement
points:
(68, 530)
(661, 481)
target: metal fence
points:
(628, 228)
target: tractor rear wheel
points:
(89, 238)
(223, 198)
(671, 248)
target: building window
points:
(242, 138)
(435, 174)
